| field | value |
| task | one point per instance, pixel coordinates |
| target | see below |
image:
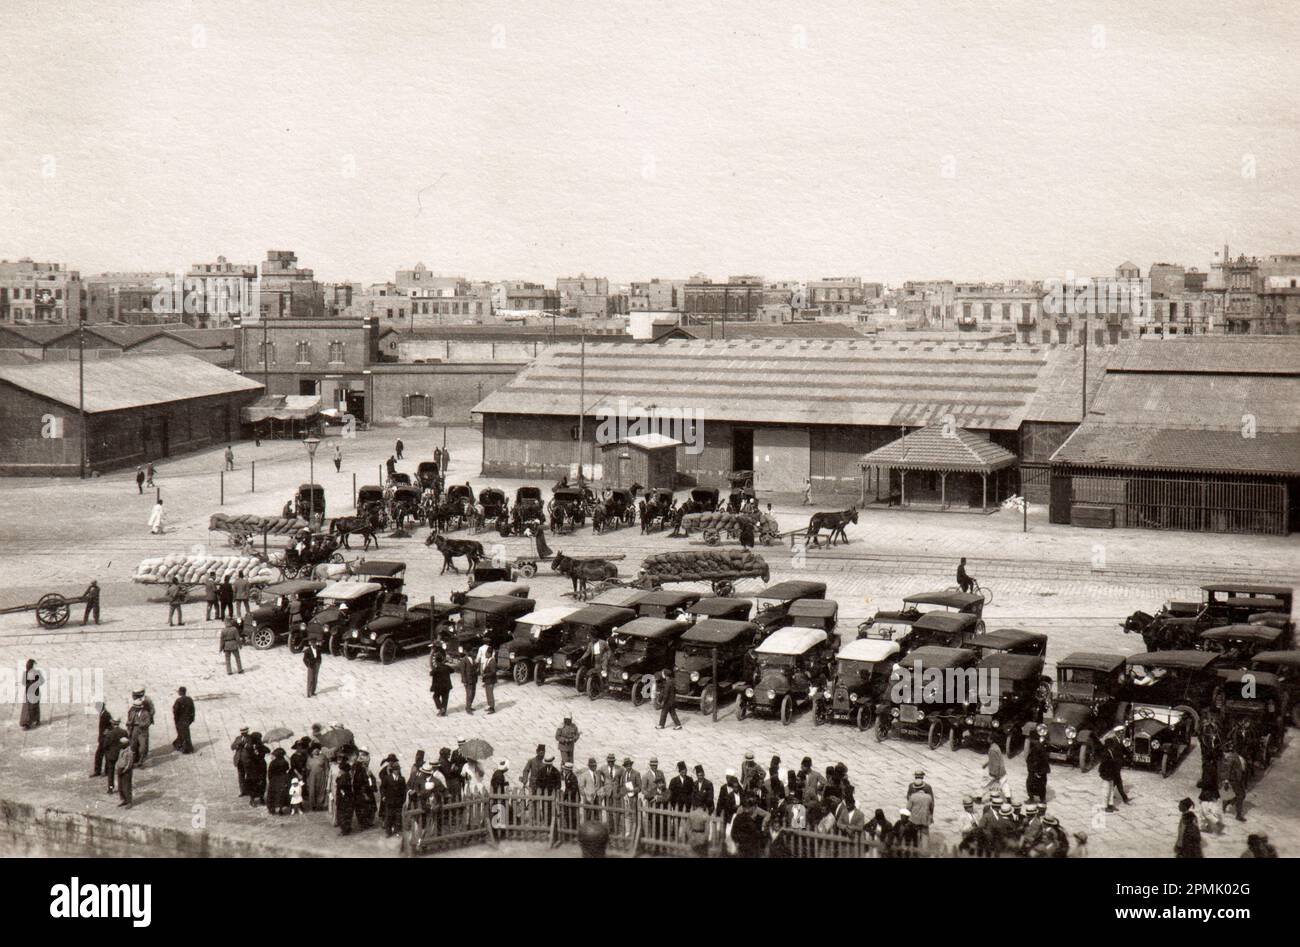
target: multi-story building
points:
(738, 298)
(833, 295)
(421, 282)
(126, 298)
(324, 357)
(33, 292)
(571, 287)
(999, 307)
(657, 295)
(289, 291)
(521, 295)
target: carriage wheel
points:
(723, 588)
(336, 558)
(52, 610)
(711, 536)
(527, 568)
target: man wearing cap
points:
(138, 721)
(392, 794)
(920, 785)
(125, 766)
(183, 715)
(311, 660)
(566, 738)
(111, 741)
(921, 804)
(728, 797)
(611, 779)
(236, 747)
(750, 773)
(105, 724)
(1037, 766)
(667, 700)
(229, 645)
(500, 782)
(681, 788)
(210, 597)
(703, 794)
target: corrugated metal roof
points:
(1270, 355)
(114, 384)
(1151, 447)
(939, 448)
(848, 382)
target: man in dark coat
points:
(183, 715)
(1235, 773)
(125, 766)
(105, 724)
(111, 744)
(392, 794)
(548, 777)
(668, 700)
(225, 599)
(440, 682)
(311, 658)
(91, 595)
(728, 797)
(253, 756)
(237, 751)
(703, 792)
(469, 677)
(1037, 765)
(681, 788)
(747, 829)
(364, 791)
(399, 445)
(343, 800)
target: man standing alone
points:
(183, 715)
(566, 738)
(668, 698)
(440, 682)
(230, 458)
(230, 645)
(175, 598)
(469, 677)
(91, 595)
(139, 480)
(311, 658)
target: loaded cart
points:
(719, 568)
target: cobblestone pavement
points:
(1075, 584)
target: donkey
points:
(451, 548)
(835, 522)
(582, 571)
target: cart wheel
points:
(711, 536)
(521, 671)
(864, 718)
(52, 610)
(388, 651)
(263, 638)
(936, 733)
(882, 728)
(527, 568)
(336, 558)
(708, 700)
(787, 710)
(593, 687)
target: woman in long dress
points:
(316, 796)
(33, 681)
(277, 783)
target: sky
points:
(630, 140)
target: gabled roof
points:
(119, 383)
(938, 447)
(1148, 447)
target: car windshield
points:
(778, 660)
(630, 645)
(694, 651)
(855, 672)
(474, 619)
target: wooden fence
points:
(490, 818)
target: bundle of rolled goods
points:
(701, 566)
(254, 525)
(193, 569)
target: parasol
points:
(476, 750)
(340, 736)
(276, 734)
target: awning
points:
(283, 408)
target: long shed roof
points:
(115, 384)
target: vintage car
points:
(537, 636)
(705, 499)
(302, 556)
(428, 475)
(400, 628)
(1177, 625)
(772, 603)
(528, 508)
(483, 573)
(282, 605)
(1000, 716)
(342, 607)
(620, 597)
(1251, 704)
(1165, 693)
(666, 603)
(390, 573)
(583, 638)
(863, 669)
(310, 500)
(790, 669)
(1084, 706)
(1009, 641)
(895, 624)
(567, 509)
(930, 687)
(487, 618)
(1237, 645)
(638, 651)
(1228, 603)
(719, 606)
(711, 659)
(1285, 665)
(820, 613)
(944, 629)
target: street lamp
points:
(311, 442)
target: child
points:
(295, 794)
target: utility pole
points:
(1083, 394)
(81, 390)
(582, 396)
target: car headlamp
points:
(1071, 733)
(771, 695)
(749, 692)
(695, 677)
(625, 675)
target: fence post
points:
(223, 488)
(555, 820)
(253, 474)
(354, 490)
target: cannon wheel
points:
(52, 610)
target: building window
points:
(965, 311)
(303, 353)
(1025, 310)
(1006, 312)
(988, 311)
(267, 351)
(417, 406)
(1047, 335)
(336, 352)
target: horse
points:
(582, 571)
(451, 548)
(835, 522)
(365, 524)
(1162, 633)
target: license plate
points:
(909, 714)
(1141, 758)
(983, 720)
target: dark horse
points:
(582, 571)
(1160, 632)
(365, 524)
(835, 522)
(451, 548)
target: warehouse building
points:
(791, 409)
(1194, 433)
(137, 409)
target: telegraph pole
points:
(81, 390)
(582, 396)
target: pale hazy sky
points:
(535, 139)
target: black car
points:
(283, 605)
(666, 603)
(489, 618)
(930, 688)
(583, 638)
(1166, 692)
(772, 603)
(713, 645)
(719, 606)
(863, 670)
(341, 608)
(638, 651)
(400, 629)
(1237, 645)
(1084, 707)
(537, 636)
(999, 716)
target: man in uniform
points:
(183, 716)
(566, 737)
(138, 721)
(105, 724)
(237, 747)
(1038, 765)
(229, 645)
(112, 743)
(91, 595)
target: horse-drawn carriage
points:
(616, 510)
(493, 509)
(742, 491)
(455, 510)
(706, 499)
(429, 476)
(404, 504)
(528, 509)
(309, 501)
(658, 510)
(567, 509)
(307, 552)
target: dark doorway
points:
(356, 402)
(742, 449)
(307, 386)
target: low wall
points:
(31, 831)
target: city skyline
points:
(505, 143)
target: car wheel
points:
(296, 643)
(579, 679)
(864, 717)
(348, 652)
(388, 651)
(1085, 757)
(708, 700)
(335, 645)
(936, 733)
(742, 709)
(882, 728)
(539, 674)
(638, 693)
(263, 638)
(593, 687)
(954, 739)
(787, 710)
(521, 671)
